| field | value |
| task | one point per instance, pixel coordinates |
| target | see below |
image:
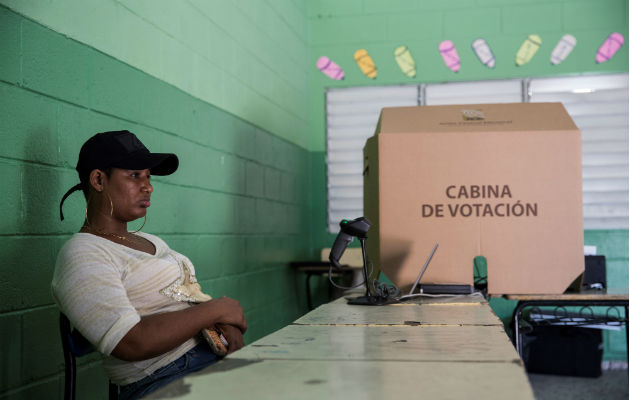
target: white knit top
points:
(104, 288)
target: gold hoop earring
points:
(141, 226)
(87, 204)
(111, 204)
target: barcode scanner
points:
(349, 230)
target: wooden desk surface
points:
(235, 379)
(384, 343)
(461, 313)
(458, 350)
(608, 294)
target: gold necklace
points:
(121, 237)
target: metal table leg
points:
(627, 342)
(516, 316)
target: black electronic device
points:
(446, 289)
(349, 230)
(594, 272)
(563, 350)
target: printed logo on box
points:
(473, 115)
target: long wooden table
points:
(435, 348)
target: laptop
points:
(424, 268)
(453, 289)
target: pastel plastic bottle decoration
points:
(330, 68)
(405, 61)
(365, 63)
(449, 55)
(529, 47)
(483, 52)
(610, 46)
(563, 49)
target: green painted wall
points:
(232, 86)
(248, 57)
(339, 28)
(237, 206)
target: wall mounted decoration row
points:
(482, 50)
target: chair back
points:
(75, 345)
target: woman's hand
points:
(230, 312)
(233, 335)
(158, 333)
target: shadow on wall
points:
(28, 258)
(33, 251)
(397, 252)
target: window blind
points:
(480, 92)
(351, 118)
(599, 107)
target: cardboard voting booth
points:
(502, 181)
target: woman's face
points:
(130, 191)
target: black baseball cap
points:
(119, 149)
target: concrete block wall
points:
(245, 104)
(237, 206)
(248, 57)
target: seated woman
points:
(136, 300)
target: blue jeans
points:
(195, 359)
